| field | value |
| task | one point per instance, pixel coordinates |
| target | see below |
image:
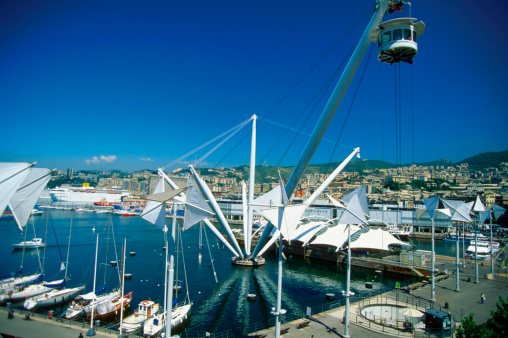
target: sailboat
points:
(58, 296)
(106, 307)
(22, 198)
(180, 313)
(154, 212)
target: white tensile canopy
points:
(305, 231)
(11, 177)
(23, 201)
(155, 210)
(196, 208)
(334, 235)
(374, 238)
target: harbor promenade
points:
(330, 323)
(459, 304)
(42, 327)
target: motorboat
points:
(146, 309)
(33, 244)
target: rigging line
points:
(400, 114)
(318, 97)
(183, 263)
(382, 115)
(396, 117)
(362, 18)
(116, 253)
(413, 133)
(221, 143)
(326, 85)
(205, 144)
(232, 149)
(56, 238)
(339, 136)
(210, 253)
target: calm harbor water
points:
(216, 306)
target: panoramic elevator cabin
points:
(396, 39)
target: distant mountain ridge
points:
(477, 162)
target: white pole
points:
(279, 291)
(433, 283)
(491, 249)
(218, 212)
(171, 272)
(252, 177)
(457, 271)
(476, 252)
(348, 282)
(464, 244)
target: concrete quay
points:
(458, 303)
(42, 327)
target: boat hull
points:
(134, 321)
(53, 298)
(179, 318)
(23, 293)
(87, 195)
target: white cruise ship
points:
(87, 194)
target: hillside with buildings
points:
(485, 174)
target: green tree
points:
(469, 329)
(496, 326)
(498, 323)
(392, 185)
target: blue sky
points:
(137, 84)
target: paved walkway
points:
(19, 326)
(460, 304)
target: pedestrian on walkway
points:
(482, 298)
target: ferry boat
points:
(483, 249)
(467, 237)
(88, 194)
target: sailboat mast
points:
(23, 254)
(91, 331)
(68, 248)
(122, 282)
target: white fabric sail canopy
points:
(155, 211)
(374, 239)
(304, 232)
(196, 208)
(334, 235)
(271, 198)
(23, 201)
(11, 177)
(478, 205)
(291, 215)
(459, 210)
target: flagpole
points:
(491, 248)
(457, 271)
(476, 251)
(348, 282)
(432, 282)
